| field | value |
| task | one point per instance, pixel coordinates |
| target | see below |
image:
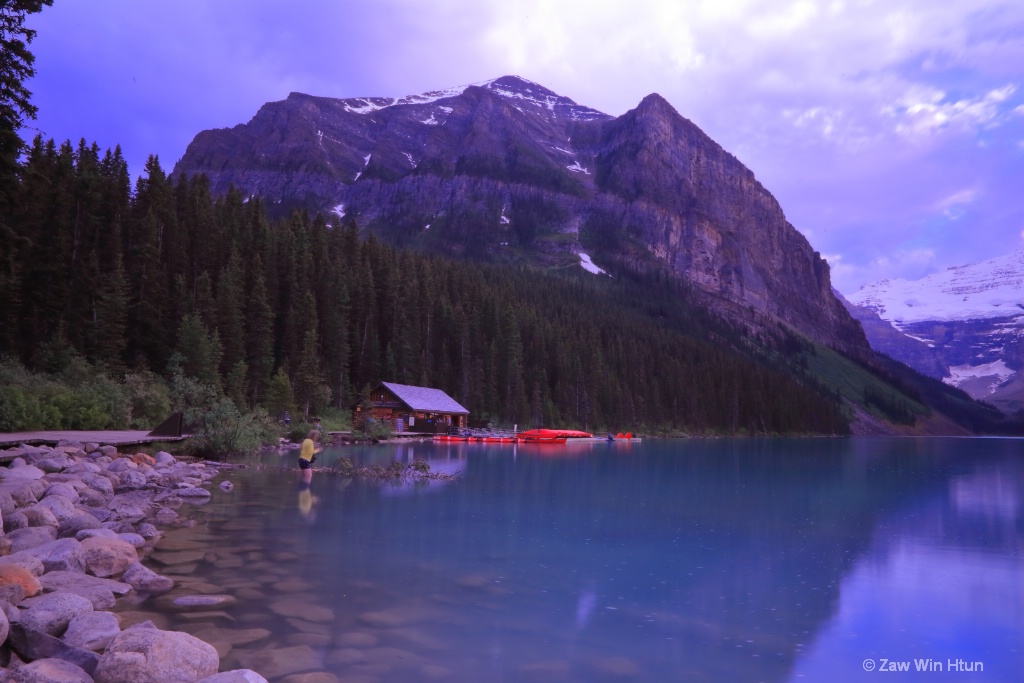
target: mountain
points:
(508, 170)
(969, 318)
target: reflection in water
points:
(696, 560)
(940, 589)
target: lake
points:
(668, 560)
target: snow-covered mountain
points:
(971, 316)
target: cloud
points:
(927, 110)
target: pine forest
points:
(161, 276)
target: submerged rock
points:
(275, 663)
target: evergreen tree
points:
(111, 318)
(279, 398)
(199, 351)
(260, 334)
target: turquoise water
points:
(676, 560)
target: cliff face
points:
(509, 170)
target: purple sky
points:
(891, 131)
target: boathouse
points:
(413, 409)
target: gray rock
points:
(89, 447)
(40, 516)
(107, 556)
(70, 526)
(54, 464)
(148, 531)
(133, 480)
(100, 512)
(135, 540)
(61, 507)
(89, 533)
(64, 489)
(64, 554)
(99, 483)
(25, 492)
(32, 645)
(22, 473)
(119, 526)
(226, 486)
(28, 562)
(11, 593)
(108, 450)
(91, 498)
(92, 630)
(50, 613)
(146, 655)
(82, 467)
(145, 580)
(52, 670)
(121, 465)
(7, 505)
(164, 458)
(235, 676)
(5, 624)
(31, 537)
(166, 515)
(14, 521)
(102, 593)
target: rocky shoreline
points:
(77, 519)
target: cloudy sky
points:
(891, 131)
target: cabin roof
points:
(425, 399)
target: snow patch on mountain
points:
(996, 372)
(990, 289)
(590, 266)
(513, 88)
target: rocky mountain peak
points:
(510, 170)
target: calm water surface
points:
(681, 560)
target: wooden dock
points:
(51, 438)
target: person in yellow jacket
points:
(307, 454)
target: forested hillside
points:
(164, 275)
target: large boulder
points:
(52, 670)
(24, 492)
(107, 556)
(31, 537)
(23, 473)
(31, 645)
(92, 630)
(102, 593)
(146, 655)
(40, 516)
(25, 561)
(13, 574)
(50, 613)
(61, 507)
(64, 554)
(70, 526)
